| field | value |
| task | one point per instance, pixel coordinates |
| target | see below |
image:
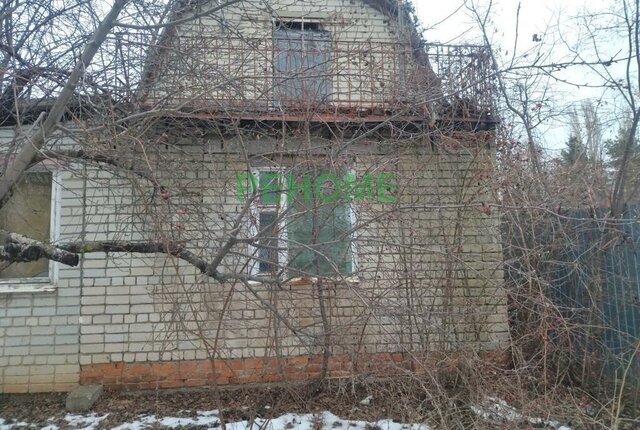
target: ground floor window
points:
(302, 221)
(28, 212)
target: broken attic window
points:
(298, 25)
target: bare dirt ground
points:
(401, 401)
(244, 403)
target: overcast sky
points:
(450, 21)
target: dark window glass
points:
(268, 243)
(319, 231)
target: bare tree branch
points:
(34, 143)
(21, 249)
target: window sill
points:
(26, 287)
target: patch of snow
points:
(329, 421)
(5, 425)
(213, 413)
(493, 409)
(209, 419)
(366, 401)
(84, 422)
(144, 421)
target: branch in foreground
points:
(21, 249)
(80, 154)
(34, 142)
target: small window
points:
(298, 25)
(267, 214)
(268, 245)
(28, 212)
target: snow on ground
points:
(209, 419)
(86, 422)
(493, 409)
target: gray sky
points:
(535, 16)
(554, 20)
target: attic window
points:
(298, 25)
(302, 62)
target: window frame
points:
(283, 237)
(41, 284)
(254, 227)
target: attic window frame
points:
(302, 24)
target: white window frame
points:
(42, 284)
(353, 215)
(283, 240)
(254, 228)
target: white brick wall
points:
(39, 341)
(130, 322)
(126, 308)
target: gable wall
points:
(228, 60)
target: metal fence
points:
(589, 267)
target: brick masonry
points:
(120, 311)
(194, 373)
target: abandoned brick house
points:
(314, 196)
